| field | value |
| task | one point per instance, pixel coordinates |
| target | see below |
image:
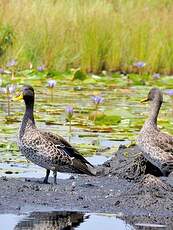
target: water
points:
(29, 170)
(71, 220)
(61, 220)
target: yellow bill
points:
(144, 100)
(18, 97)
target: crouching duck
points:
(156, 146)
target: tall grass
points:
(91, 34)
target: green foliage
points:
(93, 35)
(6, 38)
(79, 75)
(108, 120)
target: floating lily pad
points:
(11, 119)
(107, 120)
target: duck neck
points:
(154, 111)
(28, 119)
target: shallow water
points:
(29, 170)
(71, 220)
(61, 220)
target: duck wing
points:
(164, 142)
(159, 151)
(78, 161)
(164, 138)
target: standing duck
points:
(46, 149)
(157, 147)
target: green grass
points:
(91, 34)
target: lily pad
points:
(107, 120)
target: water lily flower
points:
(41, 68)
(139, 64)
(11, 63)
(69, 111)
(51, 83)
(9, 89)
(169, 92)
(3, 90)
(1, 70)
(97, 99)
(156, 75)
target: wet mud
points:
(127, 185)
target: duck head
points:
(154, 94)
(27, 94)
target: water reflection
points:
(61, 220)
(51, 220)
(71, 220)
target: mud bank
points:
(123, 186)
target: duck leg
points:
(55, 176)
(46, 177)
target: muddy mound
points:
(128, 163)
(127, 184)
(150, 191)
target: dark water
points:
(70, 220)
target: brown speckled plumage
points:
(156, 146)
(45, 149)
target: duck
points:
(155, 145)
(45, 149)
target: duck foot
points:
(46, 177)
(55, 176)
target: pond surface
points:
(70, 220)
(96, 141)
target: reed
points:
(95, 35)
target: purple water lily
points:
(41, 68)
(97, 99)
(1, 70)
(139, 64)
(9, 89)
(156, 75)
(11, 63)
(51, 83)
(69, 111)
(169, 92)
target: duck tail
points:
(84, 168)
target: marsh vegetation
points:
(95, 35)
